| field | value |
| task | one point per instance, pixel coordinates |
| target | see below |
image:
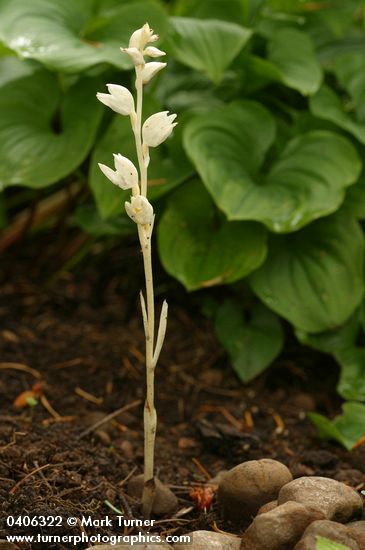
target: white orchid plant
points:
(154, 131)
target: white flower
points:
(153, 52)
(125, 174)
(150, 69)
(142, 36)
(135, 55)
(140, 210)
(157, 128)
(119, 99)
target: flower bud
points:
(142, 36)
(150, 70)
(151, 51)
(157, 128)
(135, 55)
(125, 175)
(140, 210)
(119, 99)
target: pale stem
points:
(137, 131)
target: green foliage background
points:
(263, 181)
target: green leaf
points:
(200, 248)
(352, 380)
(333, 340)
(314, 277)
(235, 11)
(327, 105)
(327, 544)
(12, 68)
(207, 45)
(355, 199)
(346, 428)
(292, 51)
(350, 71)
(307, 182)
(168, 168)
(88, 218)
(45, 133)
(251, 343)
(74, 35)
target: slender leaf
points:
(352, 380)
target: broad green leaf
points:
(168, 168)
(346, 428)
(314, 277)
(327, 105)
(307, 182)
(235, 11)
(251, 343)
(355, 199)
(45, 133)
(88, 218)
(350, 71)
(12, 68)
(74, 35)
(201, 248)
(292, 51)
(207, 45)
(327, 544)
(352, 380)
(333, 340)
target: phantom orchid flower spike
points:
(156, 129)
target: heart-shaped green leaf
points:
(352, 380)
(207, 45)
(314, 277)
(292, 52)
(73, 35)
(350, 71)
(201, 248)
(45, 133)
(334, 340)
(327, 105)
(251, 343)
(346, 428)
(168, 168)
(307, 182)
(355, 199)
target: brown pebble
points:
(280, 528)
(332, 530)
(165, 502)
(250, 485)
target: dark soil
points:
(81, 331)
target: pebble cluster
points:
(284, 513)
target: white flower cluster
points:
(155, 130)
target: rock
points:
(331, 530)
(280, 528)
(202, 540)
(336, 500)
(356, 530)
(250, 485)
(267, 507)
(165, 501)
(4, 545)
